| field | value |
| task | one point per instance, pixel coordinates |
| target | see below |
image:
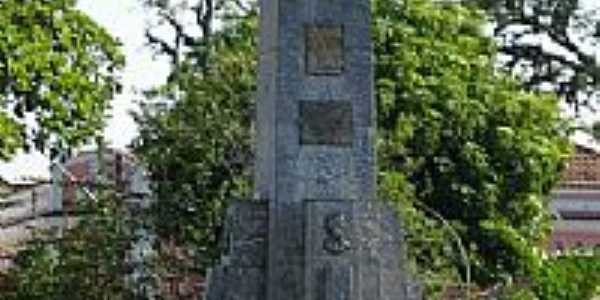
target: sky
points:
(125, 19)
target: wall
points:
(576, 203)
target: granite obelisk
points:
(317, 232)
(315, 123)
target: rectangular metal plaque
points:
(324, 49)
(326, 123)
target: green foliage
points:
(88, 263)
(198, 151)
(518, 293)
(57, 65)
(35, 275)
(463, 140)
(568, 278)
(454, 136)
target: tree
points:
(569, 277)
(455, 136)
(192, 24)
(199, 150)
(550, 43)
(566, 277)
(468, 142)
(58, 68)
(208, 116)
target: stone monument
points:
(318, 233)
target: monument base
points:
(352, 250)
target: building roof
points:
(583, 169)
(21, 181)
(577, 194)
(586, 140)
(25, 165)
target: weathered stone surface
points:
(363, 237)
(319, 235)
(337, 281)
(217, 283)
(379, 235)
(329, 229)
(334, 250)
(324, 49)
(247, 233)
(326, 173)
(283, 147)
(326, 123)
(236, 283)
(241, 274)
(414, 290)
(286, 255)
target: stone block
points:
(247, 227)
(370, 280)
(353, 251)
(326, 173)
(217, 283)
(234, 283)
(414, 290)
(379, 234)
(333, 281)
(286, 246)
(329, 229)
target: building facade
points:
(51, 207)
(576, 202)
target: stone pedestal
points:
(241, 273)
(352, 250)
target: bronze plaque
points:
(326, 123)
(324, 49)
